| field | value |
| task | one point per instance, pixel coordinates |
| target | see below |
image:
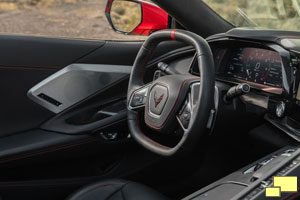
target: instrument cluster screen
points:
(254, 65)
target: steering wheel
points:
(178, 98)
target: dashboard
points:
(265, 67)
(268, 60)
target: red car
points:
(202, 101)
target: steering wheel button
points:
(184, 122)
(186, 116)
(137, 100)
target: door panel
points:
(26, 61)
(40, 52)
(39, 144)
(18, 113)
(36, 142)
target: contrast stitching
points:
(119, 190)
(39, 152)
(146, 137)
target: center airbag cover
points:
(165, 96)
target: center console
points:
(250, 182)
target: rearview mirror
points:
(135, 17)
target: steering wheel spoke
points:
(138, 98)
(185, 114)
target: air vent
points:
(49, 99)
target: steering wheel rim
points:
(167, 85)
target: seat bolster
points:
(116, 189)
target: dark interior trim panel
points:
(33, 51)
(75, 83)
(36, 142)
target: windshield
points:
(269, 14)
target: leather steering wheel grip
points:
(202, 110)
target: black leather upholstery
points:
(116, 190)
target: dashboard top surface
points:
(290, 40)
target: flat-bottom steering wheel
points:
(179, 98)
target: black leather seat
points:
(116, 190)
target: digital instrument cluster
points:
(255, 65)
